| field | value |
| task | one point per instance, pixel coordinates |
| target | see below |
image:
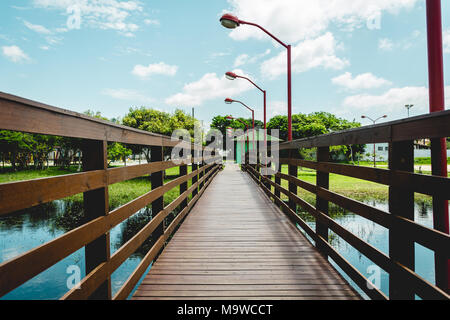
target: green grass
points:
(119, 193)
(357, 189)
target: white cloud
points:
(296, 20)
(446, 40)
(37, 28)
(209, 87)
(241, 60)
(151, 22)
(156, 68)
(103, 14)
(385, 44)
(246, 59)
(391, 102)
(127, 95)
(14, 53)
(362, 81)
(309, 54)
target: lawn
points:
(358, 189)
(119, 193)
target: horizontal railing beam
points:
(16, 271)
(421, 183)
(423, 288)
(433, 125)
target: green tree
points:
(221, 123)
(160, 122)
(117, 151)
(313, 124)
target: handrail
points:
(24, 115)
(20, 114)
(399, 219)
(433, 125)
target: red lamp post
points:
(231, 22)
(229, 101)
(231, 76)
(438, 146)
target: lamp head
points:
(230, 75)
(385, 116)
(229, 101)
(363, 117)
(229, 21)
(229, 117)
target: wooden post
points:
(401, 203)
(322, 180)
(183, 186)
(267, 153)
(440, 214)
(194, 168)
(157, 179)
(201, 174)
(293, 171)
(96, 205)
(278, 180)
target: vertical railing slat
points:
(157, 180)
(293, 171)
(401, 203)
(96, 205)
(322, 180)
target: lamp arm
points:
(258, 26)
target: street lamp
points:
(366, 117)
(408, 106)
(230, 101)
(231, 22)
(231, 76)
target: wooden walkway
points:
(236, 244)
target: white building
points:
(382, 152)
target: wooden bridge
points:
(237, 238)
(236, 244)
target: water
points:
(33, 227)
(378, 237)
(22, 232)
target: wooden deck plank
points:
(236, 244)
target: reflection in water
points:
(25, 230)
(378, 237)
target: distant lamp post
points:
(231, 22)
(374, 121)
(245, 124)
(408, 106)
(230, 101)
(232, 76)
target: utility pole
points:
(408, 106)
(374, 155)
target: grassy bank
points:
(357, 189)
(119, 193)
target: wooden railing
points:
(19, 114)
(404, 283)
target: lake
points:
(35, 226)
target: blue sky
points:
(350, 57)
